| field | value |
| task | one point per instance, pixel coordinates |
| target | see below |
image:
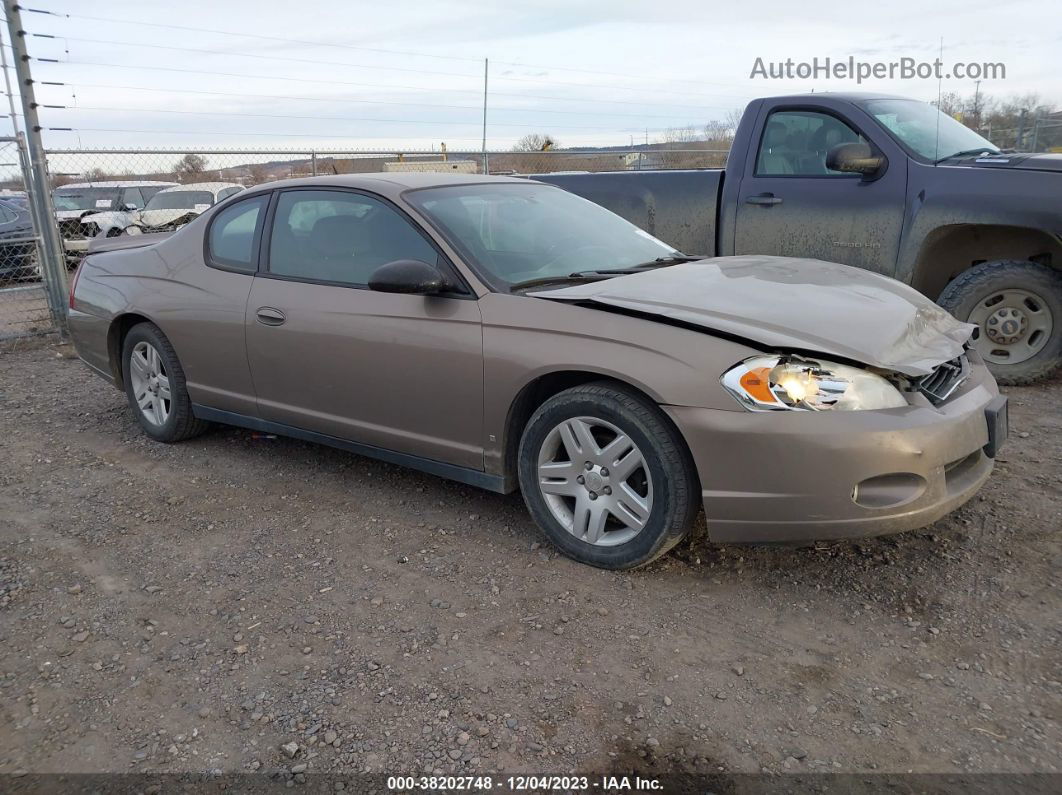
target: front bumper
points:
(798, 476)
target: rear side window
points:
(232, 235)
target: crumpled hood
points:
(161, 217)
(72, 215)
(790, 303)
(110, 218)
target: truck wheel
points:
(1017, 308)
(607, 477)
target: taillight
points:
(73, 283)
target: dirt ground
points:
(240, 603)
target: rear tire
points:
(607, 476)
(155, 386)
(1017, 307)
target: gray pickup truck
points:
(883, 183)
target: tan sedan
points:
(508, 334)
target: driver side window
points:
(796, 142)
(340, 236)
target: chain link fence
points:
(24, 306)
(249, 167)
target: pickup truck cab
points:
(883, 183)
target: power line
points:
(345, 64)
(361, 48)
(311, 118)
(314, 81)
(334, 100)
(213, 132)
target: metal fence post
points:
(53, 266)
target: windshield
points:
(85, 198)
(513, 233)
(181, 200)
(916, 125)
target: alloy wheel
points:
(595, 481)
(151, 385)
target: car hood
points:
(108, 218)
(788, 303)
(70, 215)
(161, 217)
(1024, 162)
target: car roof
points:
(213, 187)
(122, 183)
(391, 182)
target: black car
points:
(18, 259)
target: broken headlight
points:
(794, 383)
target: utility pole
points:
(1020, 137)
(1035, 132)
(54, 264)
(977, 104)
(486, 69)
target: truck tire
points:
(1017, 308)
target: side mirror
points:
(855, 159)
(408, 276)
(129, 207)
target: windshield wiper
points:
(587, 276)
(659, 262)
(965, 152)
(605, 273)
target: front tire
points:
(155, 386)
(1017, 308)
(607, 477)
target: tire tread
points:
(982, 276)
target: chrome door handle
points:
(268, 316)
(766, 199)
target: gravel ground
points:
(241, 603)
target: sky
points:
(324, 74)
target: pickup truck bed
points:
(679, 207)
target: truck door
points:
(790, 204)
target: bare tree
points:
(536, 142)
(96, 175)
(259, 173)
(190, 165)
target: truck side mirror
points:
(855, 159)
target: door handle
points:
(766, 199)
(268, 316)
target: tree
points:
(190, 165)
(96, 175)
(536, 142)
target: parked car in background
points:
(883, 183)
(172, 208)
(18, 260)
(506, 333)
(120, 198)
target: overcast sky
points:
(333, 74)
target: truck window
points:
(795, 143)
